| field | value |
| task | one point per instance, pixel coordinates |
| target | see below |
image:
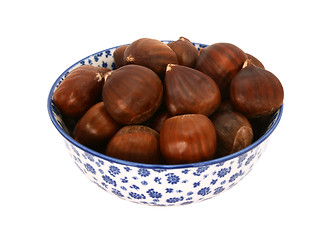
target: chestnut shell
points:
(132, 94)
(188, 90)
(79, 91)
(234, 132)
(186, 52)
(118, 56)
(188, 138)
(256, 92)
(96, 127)
(135, 143)
(221, 61)
(150, 53)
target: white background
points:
(44, 195)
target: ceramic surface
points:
(159, 185)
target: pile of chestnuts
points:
(170, 103)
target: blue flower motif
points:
(179, 191)
(204, 191)
(222, 172)
(117, 192)
(108, 53)
(220, 164)
(249, 159)
(233, 177)
(157, 180)
(172, 178)
(144, 183)
(186, 171)
(135, 187)
(174, 200)
(213, 181)
(108, 180)
(159, 170)
(136, 195)
(101, 171)
(82, 62)
(105, 185)
(90, 62)
(124, 180)
(127, 169)
(143, 172)
(113, 66)
(113, 170)
(123, 188)
(196, 184)
(89, 168)
(153, 193)
(189, 193)
(223, 182)
(241, 159)
(218, 190)
(89, 156)
(104, 64)
(185, 181)
(200, 170)
(75, 150)
(169, 190)
(101, 162)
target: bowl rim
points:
(144, 165)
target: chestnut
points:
(188, 138)
(96, 127)
(79, 91)
(221, 61)
(256, 92)
(150, 53)
(188, 90)
(132, 93)
(135, 143)
(118, 56)
(186, 52)
(256, 62)
(234, 132)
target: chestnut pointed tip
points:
(248, 62)
(169, 67)
(130, 59)
(106, 76)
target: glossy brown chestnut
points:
(135, 143)
(234, 132)
(255, 61)
(187, 138)
(221, 61)
(79, 91)
(96, 127)
(256, 92)
(132, 94)
(118, 56)
(188, 90)
(151, 53)
(186, 52)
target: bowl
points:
(157, 185)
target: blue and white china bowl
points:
(157, 185)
